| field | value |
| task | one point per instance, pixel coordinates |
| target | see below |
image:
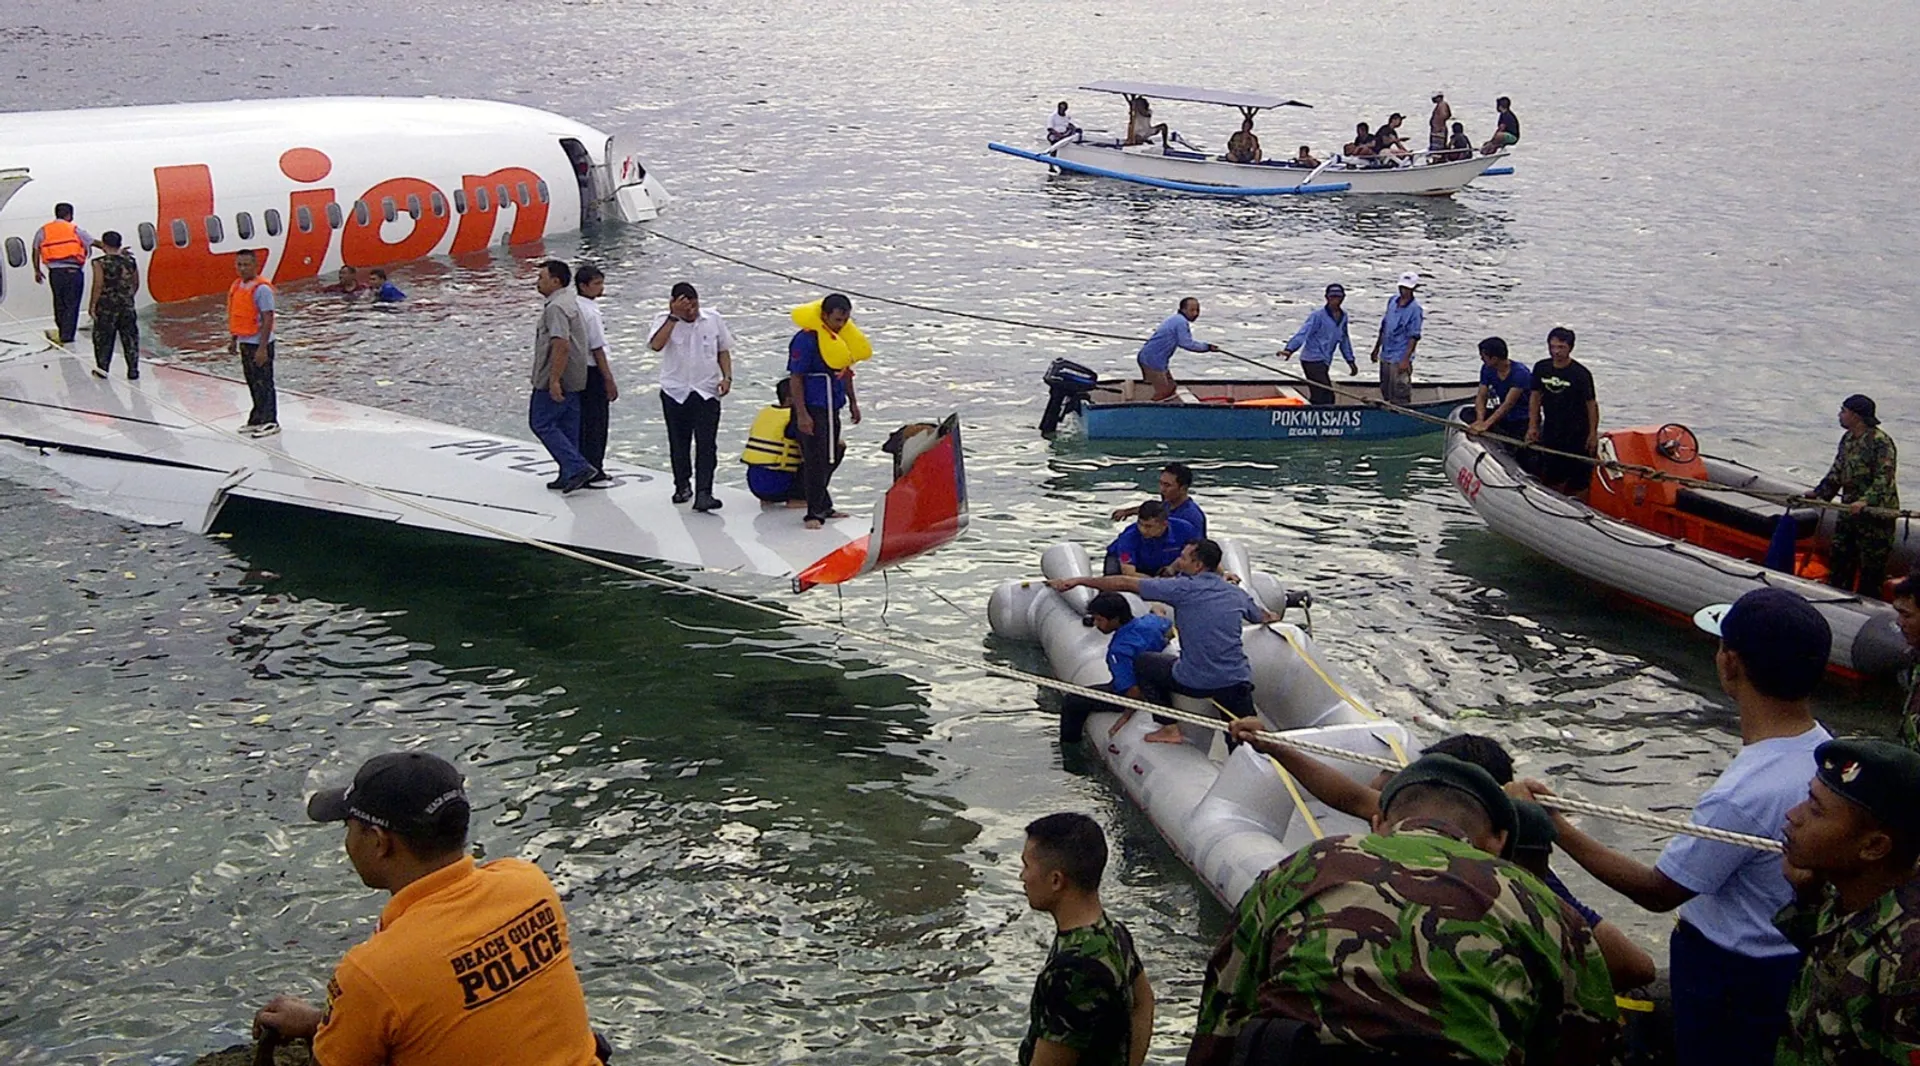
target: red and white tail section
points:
(924, 509)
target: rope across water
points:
(926, 647)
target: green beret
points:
(1880, 776)
(1533, 827)
(1445, 771)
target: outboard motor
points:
(1068, 384)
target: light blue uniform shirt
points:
(1320, 336)
(1399, 327)
(1208, 609)
(1740, 889)
(1175, 332)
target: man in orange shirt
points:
(468, 960)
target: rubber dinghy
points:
(1682, 549)
(1229, 816)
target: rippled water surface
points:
(778, 846)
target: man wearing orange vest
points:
(59, 255)
(250, 335)
(470, 963)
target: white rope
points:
(923, 646)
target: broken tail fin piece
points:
(925, 508)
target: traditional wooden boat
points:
(1235, 409)
(1677, 548)
(1164, 165)
(1229, 816)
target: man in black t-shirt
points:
(1563, 413)
(1506, 133)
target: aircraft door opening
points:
(584, 177)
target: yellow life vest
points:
(768, 444)
(839, 350)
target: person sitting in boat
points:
(1129, 637)
(1141, 128)
(1362, 145)
(1507, 133)
(1501, 403)
(1151, 544)
(1906, 610)
(1388, 142)
(1244, 147)
(1627, 962)
(1459, 146)
(1212, 664)
(1156, 356)
(1304, 158)
(772, 453)
(1175, 481)
(1060, 127)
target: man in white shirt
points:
(696, 369)
(1060, 127)
(590, 283)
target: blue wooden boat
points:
(1237, 409)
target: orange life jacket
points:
(243, 317)
(60, 240)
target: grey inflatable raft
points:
(1232, 816)
(1664, 571)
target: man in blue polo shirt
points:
(821, 392)
(1151, 544)
(1175, 481)
(1209, 610)
(1156, 356)
(1399, 336)
(1501, 404)
(1325, 330)
(1130, 636)
(1731, 968)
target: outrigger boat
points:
(163, 450)
(1229, 816)
(1233, 409)
(1679, 549)
(1181, 169)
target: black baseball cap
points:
(1879, 776)
(1782, 639)
(404, 791)
(1445, 771)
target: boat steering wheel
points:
(1676, 443)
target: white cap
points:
(1410, 280)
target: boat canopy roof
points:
(1244, 101)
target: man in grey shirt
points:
(561, 355)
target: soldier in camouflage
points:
(1092, 1005)
(1850, 852)
(1411, 944)
(1906, 609)
(1863, 473)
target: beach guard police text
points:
(498, 962)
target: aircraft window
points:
(179, 228)
(388, 212)
(243, 226)
(147, 237)
(413, 206)
(460, 201)
(362, 214)
(481, 199)
(439, 204)
(504, 196)
(16, 252)
(524, 196)
(335, 217)
(542, 190)
(216, 231)
(303, 217)
(273, 222)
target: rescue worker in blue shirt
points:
(1129, 636)
(1175, 480)
(1399, 335)
(1324, 330)
(1156, 356)
(1151, 544)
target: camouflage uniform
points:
(1858, 999)
(1863, 471)
(1910, 710)
(1083, 998)
(1416, 945)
